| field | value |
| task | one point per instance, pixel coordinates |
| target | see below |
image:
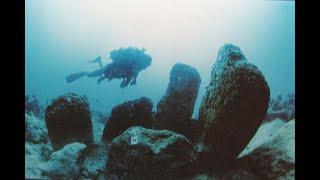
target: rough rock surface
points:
(128, 114)
(265, 131)
(193, 130)
(35, 156)
(275, 158)
(283, 108)
(35, 130)
(282, 114)
(33, 161)
(141, 153)
(68, 120)
(175, 108)
(234, 105)
(64, 163)
(234, 174)
(93, 160)
(278, 103)
(45, 151)
(32, 106)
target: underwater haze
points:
(63, 35)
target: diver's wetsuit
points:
(124, 70)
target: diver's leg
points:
(134, 81)
(100, 79)
(97, 60)
(123, 81)
(125, 84)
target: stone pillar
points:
(68, 120)
(175, 108)
(126, 115)
(234, 105)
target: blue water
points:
(62, 36)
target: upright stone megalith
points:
(68, 120)
(234, 105)
(175, 108)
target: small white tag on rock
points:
(134, 140)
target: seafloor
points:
(240, 133)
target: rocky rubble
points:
(64, 162)
(35, 130)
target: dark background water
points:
(62, 36)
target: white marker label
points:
(134, 140)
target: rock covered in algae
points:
(175, 108)
(35, 129)
(93, 161)
(141, 153)
(234, 105)
(64, 162)
(132, 113)
(33, 161)
(68, 120)
(283, 108)
(275, 158)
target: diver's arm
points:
(97, 60)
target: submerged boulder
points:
(35, 156)
(68, 120)
(141, 153)
(278, 103)
(128, 114)
(265, 131)
(35, 130)
(285, 114)
(93, 161)
(192, 130)
(46, 151)
(275, 158)
(32, 106)
(64, 163)
(232, 174)
(175, 108)
(33, 161)
(233, 107)
(283, 108)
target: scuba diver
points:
(126, 65)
